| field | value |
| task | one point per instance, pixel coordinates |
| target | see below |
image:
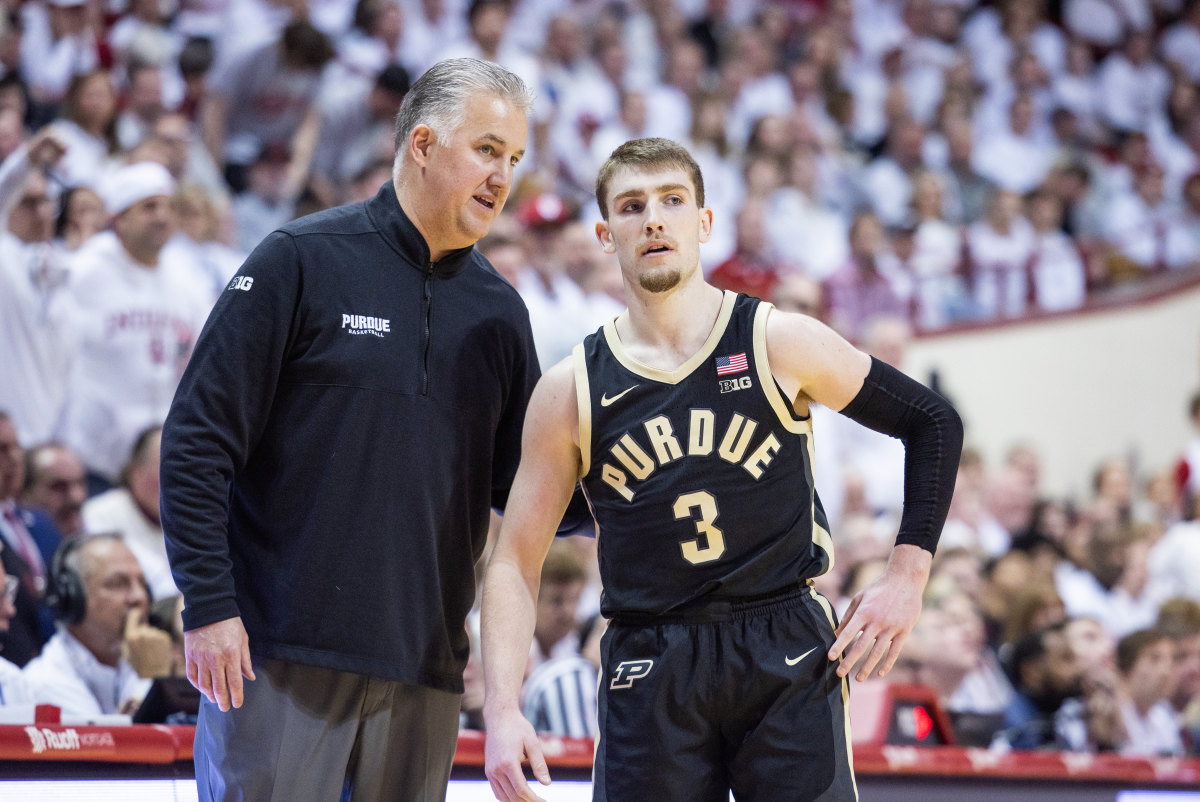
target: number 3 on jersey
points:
(713, 539)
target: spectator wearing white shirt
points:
(998, 251)
(1180, 42)
(36, 346)
(429, 27)
(1145, 663)
(57, 46)
(1076, 88)
(936, 262)
(87, 130)
(1111, 585)
(1055, 267)
(1014, 156)
(765, 89)
(99, 598)
(137, 308)
(1141, 224)
(967, 191)
(372, 43)
(559, 311)
(132, 511)
(887, 180)
(487, 28)
(670, 106)
(1106, 23)
(1133, 86)
(143, 105)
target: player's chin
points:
(660, 280)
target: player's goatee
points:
(659, 281)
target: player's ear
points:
(706, 222)
(604, 234)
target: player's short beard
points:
(660, 280)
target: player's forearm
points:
(932, 433)
(509, 610)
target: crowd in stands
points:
(890, 166)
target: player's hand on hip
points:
(881, 616)
(218, 656)
(511, 740)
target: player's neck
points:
(666, 329)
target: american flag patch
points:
(734, 363)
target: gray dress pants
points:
(305, 733)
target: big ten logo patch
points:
(243, 283)
(625, 673)
(732, 385)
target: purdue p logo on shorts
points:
(625, 673)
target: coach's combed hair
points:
(439, 97)
(647, 153)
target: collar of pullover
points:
(395, 225)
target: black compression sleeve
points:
(932, 433)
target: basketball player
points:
(686, 419)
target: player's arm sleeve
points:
(218, 414)
(932, 432)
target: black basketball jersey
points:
(700, 478)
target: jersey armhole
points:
(766, 379)
(583, 398)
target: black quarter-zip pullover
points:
(350, 413)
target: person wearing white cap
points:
(136, 315)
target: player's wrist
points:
(910, 561)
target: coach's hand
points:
(883, 613)
(510, 740)
(218, 656)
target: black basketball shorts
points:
(729, 696)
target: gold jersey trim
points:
(583, 398)
(766, 379)
(845, 690)
(820, 535)
(683, 371)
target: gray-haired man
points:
(350, 414)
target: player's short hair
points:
(439, 97)
(647, 153)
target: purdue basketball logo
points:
(625, 673)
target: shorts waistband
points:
(716, 610)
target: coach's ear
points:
(604, 234)
(420, 140)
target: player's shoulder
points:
(559, 380)
(791, 327)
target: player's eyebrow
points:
(662, 189)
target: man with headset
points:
(100, 599)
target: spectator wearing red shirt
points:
(752, 269)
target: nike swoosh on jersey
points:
(605, 400)
(791, 661)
